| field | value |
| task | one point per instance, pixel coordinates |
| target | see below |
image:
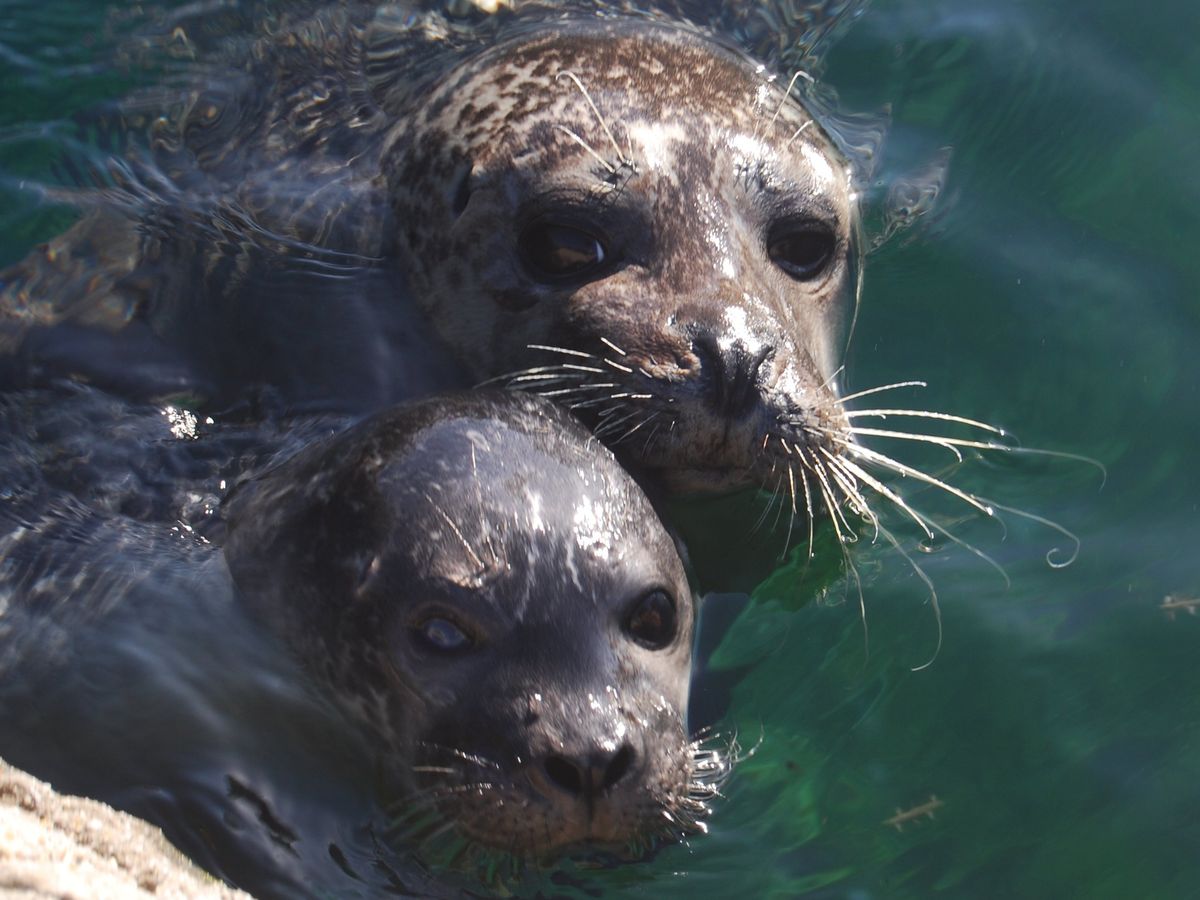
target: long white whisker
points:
(888, 463)
(882, 489)
(881, 389)
(971, 548)
(933, 598)
(1049, 523)
(562, 392)
(588, 147)
(848, 479)
(829, 496)
(599, 118)
(563, 350)
(947, 444)
(787, 541)
(924, 414)
(800, 73)
(808, 507)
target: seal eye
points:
(801, 249)
(442, 635)
(652, 621)
(553, 252)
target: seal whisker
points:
(612, 170)
(516, 373)
(951, 445)
(888, 463)
(795, 134)
(933, 598)
(862, 599)
(544, 380)
(613, 346)
(766, 510)
(621, 158)
(923, 414)
(473, 758)
(1049, 523)
(881, 389)
(563, 350)
(484, 531)
(845, 533)
(848, 482)
(950, 442)
(791, 474)
(799, 73)
(565, 392)
(608, 428)
(457, 533)
(884, 491)
(655, 432)
(628, 434)
(575, 367)
(808, 505)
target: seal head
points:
(478, 581)
(637, 221)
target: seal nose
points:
(587, 777)
(733, 373)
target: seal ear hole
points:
(556, 252)
(442, 636)
(653, 621)
(802, 249)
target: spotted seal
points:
(624, 213)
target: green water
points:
(1059, 295)
(1054, 291)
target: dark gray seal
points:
(461, 613)
(623, 213)
(479, 582)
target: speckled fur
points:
(311, 151)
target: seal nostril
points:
(617, 767)
(565, 774)
(734, 372)
(588, 779)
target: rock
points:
(55, 846)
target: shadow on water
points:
(1052, 290)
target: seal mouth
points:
(520, 813)
(675, 431)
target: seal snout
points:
(588, 776)
(733, 372)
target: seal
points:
(458, 616)
(622, 213)
(479, 581)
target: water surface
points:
(1055, 291)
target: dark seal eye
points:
(554, 252)
(442, 635)
(652, 621)
(801, 249)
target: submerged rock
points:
(53, 845)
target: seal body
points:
(466, 595)
(625, 214)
